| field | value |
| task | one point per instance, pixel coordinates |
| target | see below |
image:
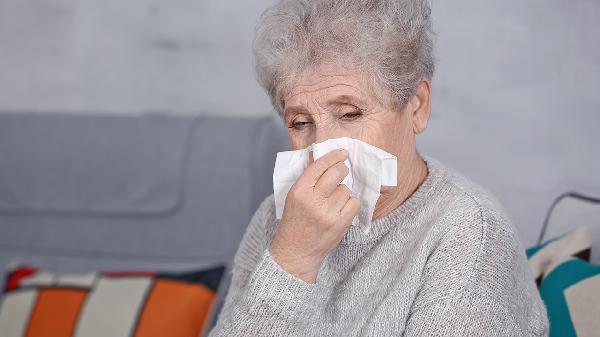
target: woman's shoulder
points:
(478, 249)
(263, 220)
(256, 236)
(464, 205)
(266, 208)
(477, 226)
(470, 228)
(476, 235)
(457, 190)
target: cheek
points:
(376, 133)
(298, 141)
(386, 133)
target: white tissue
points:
(369, 169)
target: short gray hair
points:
(389, 40)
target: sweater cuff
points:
(272, 290)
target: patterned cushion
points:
(569, 284)
(571, 292)
(542, 258)
(116, 304)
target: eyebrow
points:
(346, 99)
(337, 100)
(296, 109)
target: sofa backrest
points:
(88, 192)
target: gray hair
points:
(389, 40)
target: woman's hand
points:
(317, 213)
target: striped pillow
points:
(115, 304)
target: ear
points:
(419, 107)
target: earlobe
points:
(417, 128)
(421, 108)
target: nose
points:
(321, 134)
(325, 132)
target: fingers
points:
(339, 197)
(350, 210)
(314, 171)
(331, 179)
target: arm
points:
(468, 314)
(477, 283)
(273, 291)
(263, 299)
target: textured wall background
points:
(516, 93)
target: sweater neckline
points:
(405, 210)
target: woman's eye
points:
(352, 115)
(299, 125)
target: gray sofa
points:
(161, 192)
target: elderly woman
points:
(442, 258)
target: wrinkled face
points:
(334, 102)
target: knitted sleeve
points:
(475, 279)
(263, 299)
(469, 314)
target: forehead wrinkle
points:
(308, 91)
(295, 109)
(316, 77)
(346, 83)
(324, 105)
(320, 76)
(345, 99)
(301, 109)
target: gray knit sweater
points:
(447, 262)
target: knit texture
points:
(447, 262)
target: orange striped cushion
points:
(116, 304)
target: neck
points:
(410, 177)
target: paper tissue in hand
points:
(369, 169)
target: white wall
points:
(516, 104)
